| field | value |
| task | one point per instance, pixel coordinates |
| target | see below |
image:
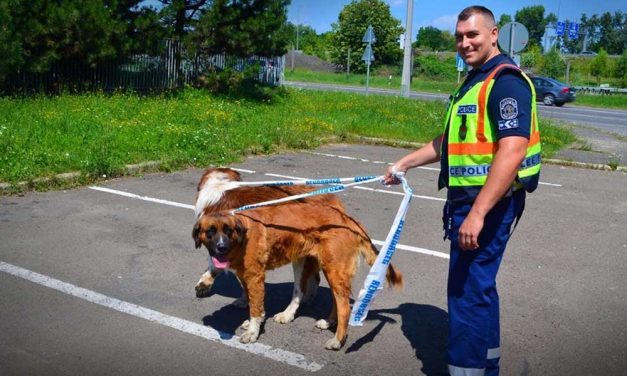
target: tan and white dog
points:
(254, 241)
(218, 190)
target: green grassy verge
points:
(618, 101)
(417, 84)
(97, 134)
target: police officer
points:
(490, 157)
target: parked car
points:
(552, 92)
(588, 53)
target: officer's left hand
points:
(469, 231)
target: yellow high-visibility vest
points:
(472, 141)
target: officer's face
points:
(476, 40)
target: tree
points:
(84, 32)
(533, 19)
(244, 28)
(435, 39)
(612, 32)
(180, 16)
(621, 70)
(351, 25)
(308, 40)
(505, 18)
(553, 64)
(599, 65)
(10, 43)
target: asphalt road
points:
(100, 282)
(614, 121)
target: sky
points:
(320, 14)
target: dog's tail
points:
(393, 275)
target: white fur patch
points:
(212, 191)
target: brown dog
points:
(253, 241)
(218, 190)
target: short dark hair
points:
(477, 9)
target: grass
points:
(394, 83)
(98, 134)
(617, 101)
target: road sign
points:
(369, 36)
(368, 55)
(513, 37)
(459, 62)
(559, 29)
(573, 30)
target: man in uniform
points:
(490, 157)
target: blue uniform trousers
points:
(473, 302)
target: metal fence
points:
(171, 68)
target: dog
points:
(218, 190)
(254, 241)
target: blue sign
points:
(459, 62)
(368, 55)
(369, 36)
(559, 29)
(573, 30)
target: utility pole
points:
(406, 77)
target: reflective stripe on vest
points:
(472, 140)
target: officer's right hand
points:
(390, 177)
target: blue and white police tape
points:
(333, 189)
(374, 279)
(355, 179)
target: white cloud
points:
(445, 22)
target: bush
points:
(436, 67)
(553, 64)
(236, 83)
(621, 70)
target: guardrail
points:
(600, 90)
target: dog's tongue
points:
(220, 262)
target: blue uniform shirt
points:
(509, 109)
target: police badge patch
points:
(509, 108)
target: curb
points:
(153, 166)
(66, 177)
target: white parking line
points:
(206, 332)
(366, 188)
(389, 163)
(191, 207)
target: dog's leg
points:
(310, 279)
(242, 301)
(297, 296)
(331, 321)
(206, 280)
(255, 289)
(339, 281)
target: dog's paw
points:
(283, 317)
(241, 303)
(202, 290)
(245, 325)
(249, 337)
(323, 324)
(333, 344)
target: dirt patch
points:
(309, 62)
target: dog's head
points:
(221, 234)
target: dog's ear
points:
(195, 234)
(241, 230)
